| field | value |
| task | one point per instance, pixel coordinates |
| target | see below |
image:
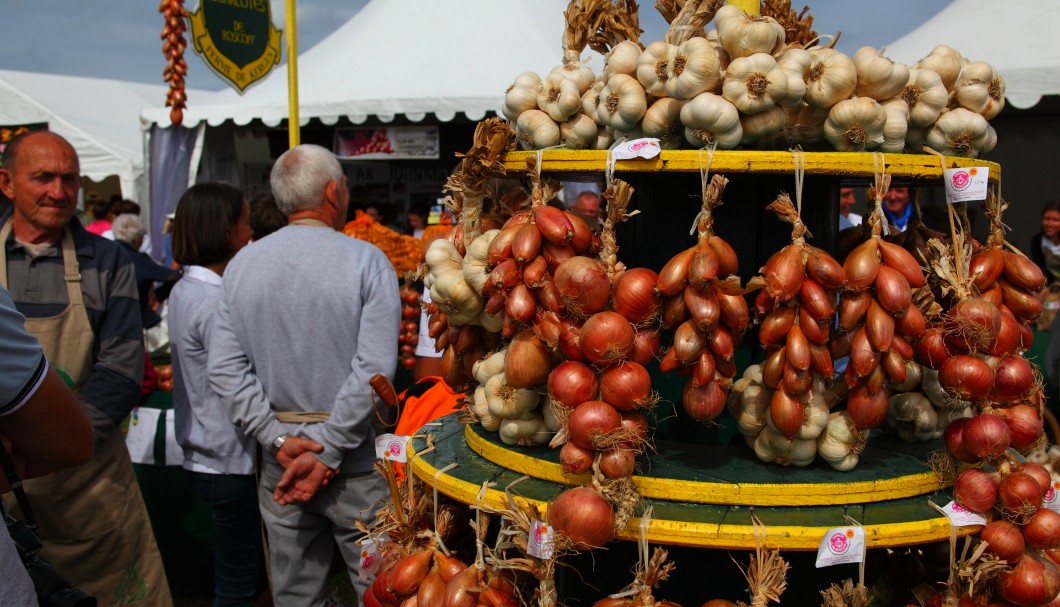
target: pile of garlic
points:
(741, 85)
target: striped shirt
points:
(108, 286)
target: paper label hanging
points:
(1051, 499)
(646, 147)
(966, 184)
(841, 545)
(962, 517)
(392, 447)
(539, 543)
(371, 558)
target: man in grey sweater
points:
(306, 318)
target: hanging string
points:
(880, 187)
(609, 166)
(799, 158)
(704, 175)
(437, 475)
(861, 564)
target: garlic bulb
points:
(548, 412)
(442, 255)
(558, 96)
(536, 130)
(622, 59)
(934, 391)
(481, 409)
(809, 124)
(493, 324)
(916, 138)
(710, 118)
(878, 77)
(762, 124)
(944, 61)
(622, 103)
(981, 89)
(524, 432)
(912, 417)
(742, 35)
(831, 79)
(991, 139)
(755, 83)
(796, 65)
(959, 132)
(651, 66)
(895, 127)
(574, 70)
(507, 402)
(578, 132)
(663, 121)
(925, 95)
(455, 297)
(476, 264)
(815, 418)
(841, 443)
(604, 139)
(750, 406)
(591, 98)
(487, 367)
(855, 125)
(693, 69)
(771, 446)
(521, 95)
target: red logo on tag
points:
(367, 560)
(394, 448)
(1049, 495)
(961, 180)
(959, 508)
(838, 543)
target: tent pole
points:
(294, 129)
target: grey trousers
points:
(302, 537)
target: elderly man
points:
(78, 294)
(587, 206)
(307, 317)
(129, 233)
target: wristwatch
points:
(278, 442)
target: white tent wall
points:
(408, 61)
(1018, 38)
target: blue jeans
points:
(239, 568)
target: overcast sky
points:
(119, 38)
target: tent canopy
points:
(410, 57)
(1017, 37)
(98, 117)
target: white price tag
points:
(841, 545)
(392, 447)
(539, 543)
(962, 517)
(966, 184)
(371, 558)
(1051, 499)
(647, 147)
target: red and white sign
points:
(841, 545)
(966, 184)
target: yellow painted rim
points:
(728, 494)
(707, 535)
(846, 164)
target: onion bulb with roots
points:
(583, 515)
(626, 386)
(986, 436)
(574, 459)
(606, 338)
(1004, 539)
(593, 424)
(1042, 531)
(1034, 580)
(583, 285)
(634, 296)
(572, 383)
(1019, 496)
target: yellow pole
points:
(294, 130)
(751, 7)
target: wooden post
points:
(294, 129)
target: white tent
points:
(98, 116)
(410, 57)
(1017, 37)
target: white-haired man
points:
(307, 317)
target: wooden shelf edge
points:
(918, 167)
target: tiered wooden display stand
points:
(703, 495)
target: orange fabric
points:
(438, 401)
(422, 407)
